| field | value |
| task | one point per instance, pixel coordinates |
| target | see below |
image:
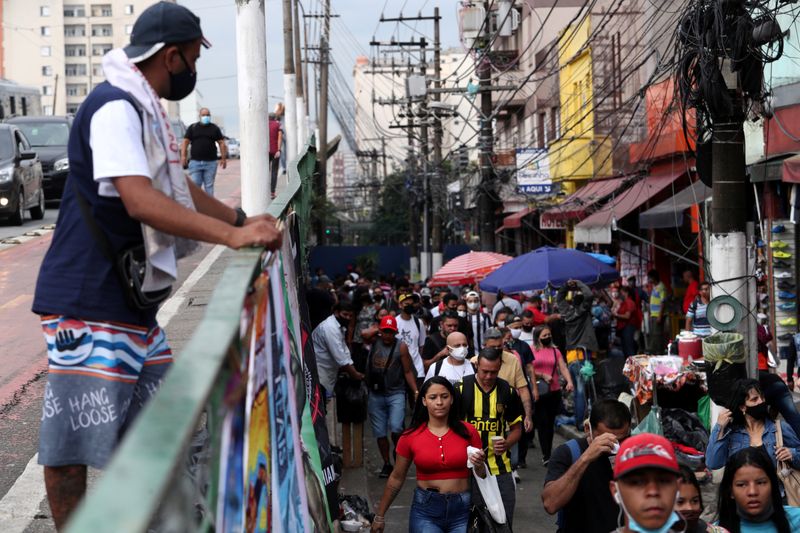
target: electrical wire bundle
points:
(715, 36)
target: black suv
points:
(20, 177)
(49, 136)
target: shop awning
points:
(514, 220)
(597, 227)
(577, 204)
(669, 213)
(775, 168)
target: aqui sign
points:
(533, 171)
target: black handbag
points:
(481, 521)
(544, 386)
(129, 263)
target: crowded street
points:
(327, 266)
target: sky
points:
(351, 33)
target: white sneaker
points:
(517, 479)
(782, 275)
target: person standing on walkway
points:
(548, 363)
(436, 348)
(574, 303)
(333, 356)
(478, 320)
(455, 366)
(389, 370)
(436, 442)
(626, 317)
(199, 151)
(411, 331)
(696, 315)
(579, 472)
(493, 406)
(275, 144)
(103, 341)
(658, 313)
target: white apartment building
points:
(377, 84)
(58, 45)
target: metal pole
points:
(426, 262)
(300, 109)
(436, 224)
(251, 63)
(289, 83)
(485, 200)
(413, 223)
(322, 154)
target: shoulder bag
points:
(543, 386)
(789, 476)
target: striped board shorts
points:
(100, 376)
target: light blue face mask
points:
(205, 119)
(633, 526)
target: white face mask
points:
(459, 352)
(462, 314)
(501, 324)
(515, 333)
(473, 306)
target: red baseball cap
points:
(645, 450)
(389, 322)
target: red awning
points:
(577, 204)
(791, 169)
(596, 228)
(514, 220)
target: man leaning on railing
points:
(128, 213)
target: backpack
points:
(575, 453)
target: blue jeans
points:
(777, 395)
(386, 412)
(203, 174)
(628, 337)
(432, 512)
(580, 393)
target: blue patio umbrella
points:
(604, 258)
(548, 266)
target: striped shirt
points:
(698, 313)
(657, 297)
(491, 412)
(479, 322)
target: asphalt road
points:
(9, 231)
(23, 362)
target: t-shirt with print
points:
(105, 142)
(453, 373)
(592, 493)
(412, 333)
(203, 139)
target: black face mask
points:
(181, 84)
(527, 329)
(546, 341)
(759, 412)
(408, 309)
(343, 321)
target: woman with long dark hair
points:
(436, 442)
(689, 505)
(750, 496)
(748, 424)
(548, 363)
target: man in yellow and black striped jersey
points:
(494, 408)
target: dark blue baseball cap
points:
(162, 24)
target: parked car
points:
(233, 148)
(49, 136)
(20, 177)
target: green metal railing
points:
(149, 477)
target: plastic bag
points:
(491, 496)
(704, 411)
(481, 521)
(651, 423)
(351, 401)
(722, 382)
(724, 348)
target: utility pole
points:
(251, 64)
(728, 240)
(486, 187)
(436, 223)
(300, 108)
(413, 222)
(322, 153)
(426, 260)
(289, 83)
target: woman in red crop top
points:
(436, 442)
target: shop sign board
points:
(533, 171)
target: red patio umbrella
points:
(468, 268)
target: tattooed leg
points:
(66, 486)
